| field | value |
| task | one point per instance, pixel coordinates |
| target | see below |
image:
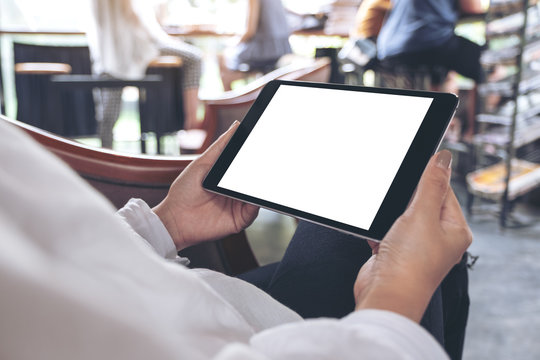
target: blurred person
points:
(370, 18)
(124, 36)
(264, 41)
(81, 282)
(421, 33)
(361, 48)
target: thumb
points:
(212, 153)
(434, 185)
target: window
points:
(42, 15)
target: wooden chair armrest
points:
(311, 70)
(294, 71)
(106, 164)
(121, 176)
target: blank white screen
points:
(332, 153)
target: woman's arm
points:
(419, 250)
(471, 7)
(252, 22)
(191, 214)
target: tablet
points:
(347, 157)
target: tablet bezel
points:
(423, 146)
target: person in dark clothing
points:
(421, 32)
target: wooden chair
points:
(222, 111)
(120, 177)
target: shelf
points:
(500, 137)
(512, 24)
(505, 118)
(505, 7)
(508, 55)
(489, 182)
(505, 87)
(509, 126)
(532, 156)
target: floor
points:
(504, 321)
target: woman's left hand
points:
(192, 214)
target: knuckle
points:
(465, 235)
(438, 179)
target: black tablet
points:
(347, 157)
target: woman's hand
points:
(419, 250)
(193, 215)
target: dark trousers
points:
(315, 278)
(458, 54)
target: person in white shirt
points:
(79, 282)
(124, 36)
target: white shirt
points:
(78, 282)
(123, 37)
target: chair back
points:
(120, 177)
(67, 113)
(161, 109)
(2, 97)
(222, 111)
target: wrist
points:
(166, 215)
(407, 298)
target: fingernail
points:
(234, 124)
(444, 159)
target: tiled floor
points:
(504, 320)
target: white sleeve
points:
(138, 215)
(366, 334)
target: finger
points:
(433, 187)
(249, 213)
(374, 245)
(451, 211)
(213, 152)
(452, 215)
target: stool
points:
(408, 77)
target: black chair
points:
(2, 98)
(66, 106)
(66, 112)
(162, 110)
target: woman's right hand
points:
(419, 250)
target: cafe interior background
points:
(502, 210)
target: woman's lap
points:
(316, 276)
